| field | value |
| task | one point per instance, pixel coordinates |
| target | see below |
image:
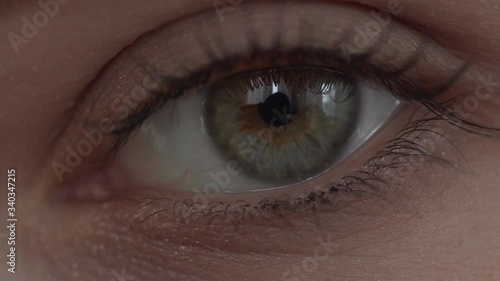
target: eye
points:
(247, 104)
(256, 130)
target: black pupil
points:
(275, 110)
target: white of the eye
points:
(173, 150)
(377, 107)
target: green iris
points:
(283, 124)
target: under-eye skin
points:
(173, 61)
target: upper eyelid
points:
(146, 53)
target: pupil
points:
(275, 110)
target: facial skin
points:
(440, 224)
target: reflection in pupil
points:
(276, 110)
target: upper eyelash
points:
(394, 80)
(267, 77)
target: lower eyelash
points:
(370, 179)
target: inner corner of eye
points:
(254, 131)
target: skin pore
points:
(440, 224)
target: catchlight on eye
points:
(258, 130)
